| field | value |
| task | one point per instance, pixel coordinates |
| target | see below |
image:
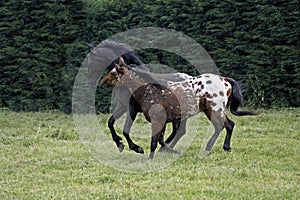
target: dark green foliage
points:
(43, 43)
(255, 42)
(38, 53)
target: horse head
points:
(98, 60)
(104, 55)
(114, 77)
(115, 74)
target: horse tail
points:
(236, 99)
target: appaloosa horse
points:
(103, 56)
(176, 101)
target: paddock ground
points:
(43, 157)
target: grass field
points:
(43, 157)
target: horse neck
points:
(131, 80)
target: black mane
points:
(149, 77)
(120, 49)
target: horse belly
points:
(168, 104)
(189, 105)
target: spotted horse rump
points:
(207, 91)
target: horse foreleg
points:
(229, 125)
(179, 129)
(158, 116)
(175, 126)
(157, 136)
(164, 146)
(130, 117)
(180, 132)
(118, 112)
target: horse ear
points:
(121, 59)
(91, 46)
(116, 65)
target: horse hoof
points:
(227, 149)
(162, 150)
(121, 147)
(139, 150)
(204, 153)
(176, 152)
(151, 156)
(168, 150)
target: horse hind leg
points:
(229, 125)
(130, 117)
(218, 122)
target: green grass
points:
(42, 157)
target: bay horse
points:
(104, 56)
(176, 101)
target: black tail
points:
(236, 99)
